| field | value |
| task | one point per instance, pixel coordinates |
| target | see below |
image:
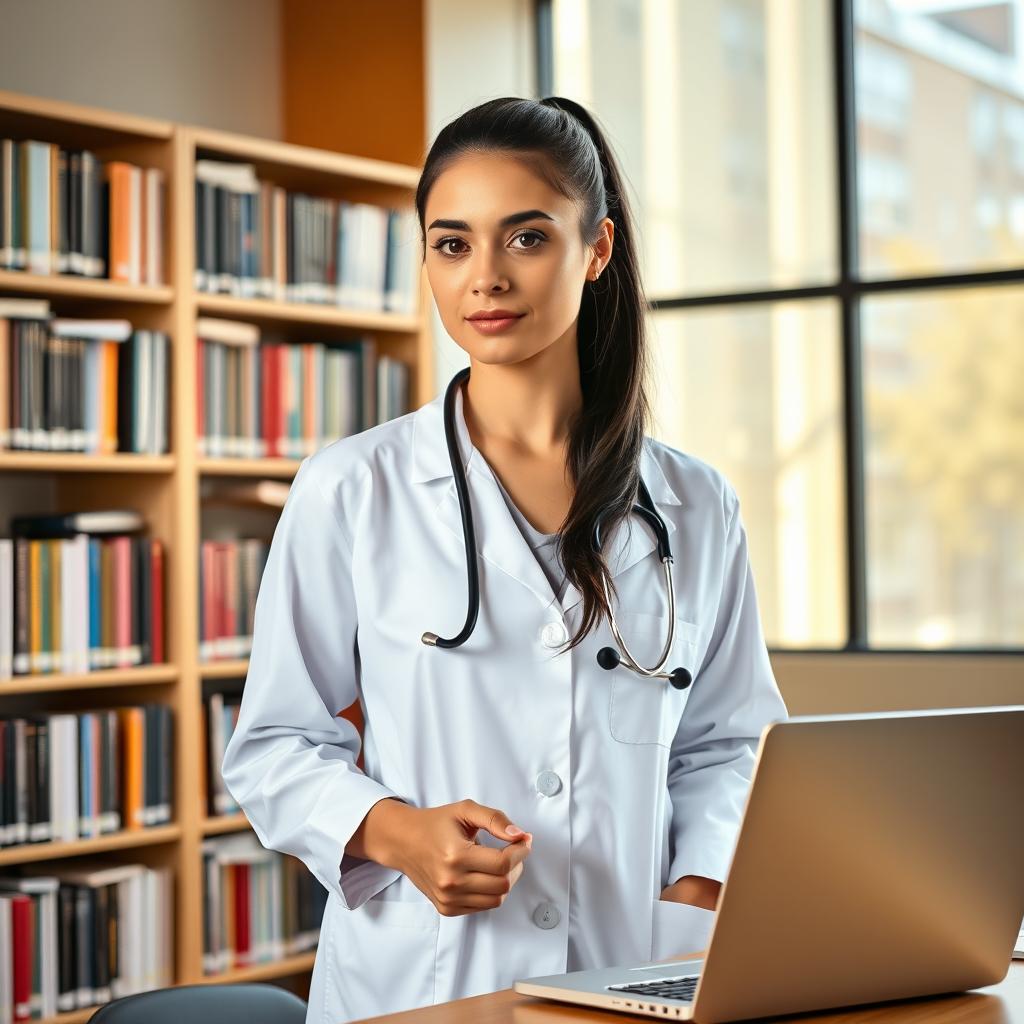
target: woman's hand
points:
(694, 889)
(436, 847)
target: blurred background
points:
(830, 196)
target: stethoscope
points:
(607, 657)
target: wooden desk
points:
(995, 1004)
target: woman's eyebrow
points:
(505, 222)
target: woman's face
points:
(533, 265)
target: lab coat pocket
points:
(642, 709)
(382, 959)
(679, 929)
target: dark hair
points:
(564, 145)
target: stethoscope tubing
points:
(607, 657)
(468, 530)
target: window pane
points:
(944, 467)
(940, 136)
(756, 392)
(721, 113)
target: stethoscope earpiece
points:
(608, 658)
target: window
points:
(840, 267)
(768, 414)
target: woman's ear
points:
(602, 248)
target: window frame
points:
(846, 291)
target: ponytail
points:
(606, 438)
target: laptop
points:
(878, 859)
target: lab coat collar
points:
(499, 539)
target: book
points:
(222, 717)
(65, 211)
(80, 598)
(78, 775)
(288, 399)
(82, 385)
(100, 521)
(256, 239)
(35, 939)
(258, 906)
(229, 577)
(83, 934)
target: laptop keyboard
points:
(681, 988)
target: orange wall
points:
(352, 77)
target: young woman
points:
(549, 789)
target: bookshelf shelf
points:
(261, 972)
(227, 669)
(264, 310)
(279, 159)
(59, 285)
(112, 841)
(225, 823)
(74, 1017)
(283, 468)
(77, 462)
(168, 489)
(55, 682)
(99, 127)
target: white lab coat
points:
(625, 782)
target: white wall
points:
(213, 63)
(475, 52)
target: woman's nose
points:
(488, 274)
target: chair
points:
(248, 1003)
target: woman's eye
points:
(536, 235)
(441, 245)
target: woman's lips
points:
(495, 326)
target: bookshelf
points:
(166, 488)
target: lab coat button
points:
(548, 783)
(546, 916)
(554, 634)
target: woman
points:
(522, 810)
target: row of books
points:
(71, 776)
(80, 592)
(259, 905)
(220, 716)
(65, 211)
(255, 239)
(275, 399)
(229, 580)
(77, 385)
(81, 935)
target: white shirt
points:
(625, 782)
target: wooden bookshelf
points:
(229, 668)
(298, 964)
(166, 488)
(225, 823)
(124, 840)
(73, 462)
(64, 285)
(248, 467)
(57, 682)
(269, 311)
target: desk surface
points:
(995, 1004)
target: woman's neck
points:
(528, 406)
